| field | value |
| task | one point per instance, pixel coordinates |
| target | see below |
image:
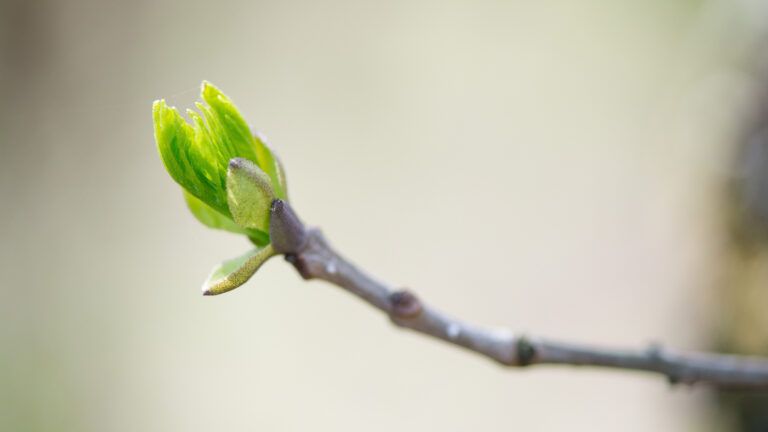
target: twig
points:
(313, 258)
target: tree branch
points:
(314, 258)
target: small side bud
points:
(526, 352)
(404, 304)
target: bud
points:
(197, 157)
(229, 177)
(249, 194)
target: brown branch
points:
(313, 257)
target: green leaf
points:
(213, 219)
(281, 178)
(249, 194)
(196, 155)
(232, 273)
(210, 217)
(269, 163)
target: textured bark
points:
(313, 258)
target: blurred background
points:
(590, 171)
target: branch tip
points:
(236, 163)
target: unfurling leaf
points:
(210, 217)
(270, 164)
(197, 155)
(232, 273)
(234, 197)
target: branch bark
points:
(313, 258)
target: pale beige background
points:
(545, 166)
